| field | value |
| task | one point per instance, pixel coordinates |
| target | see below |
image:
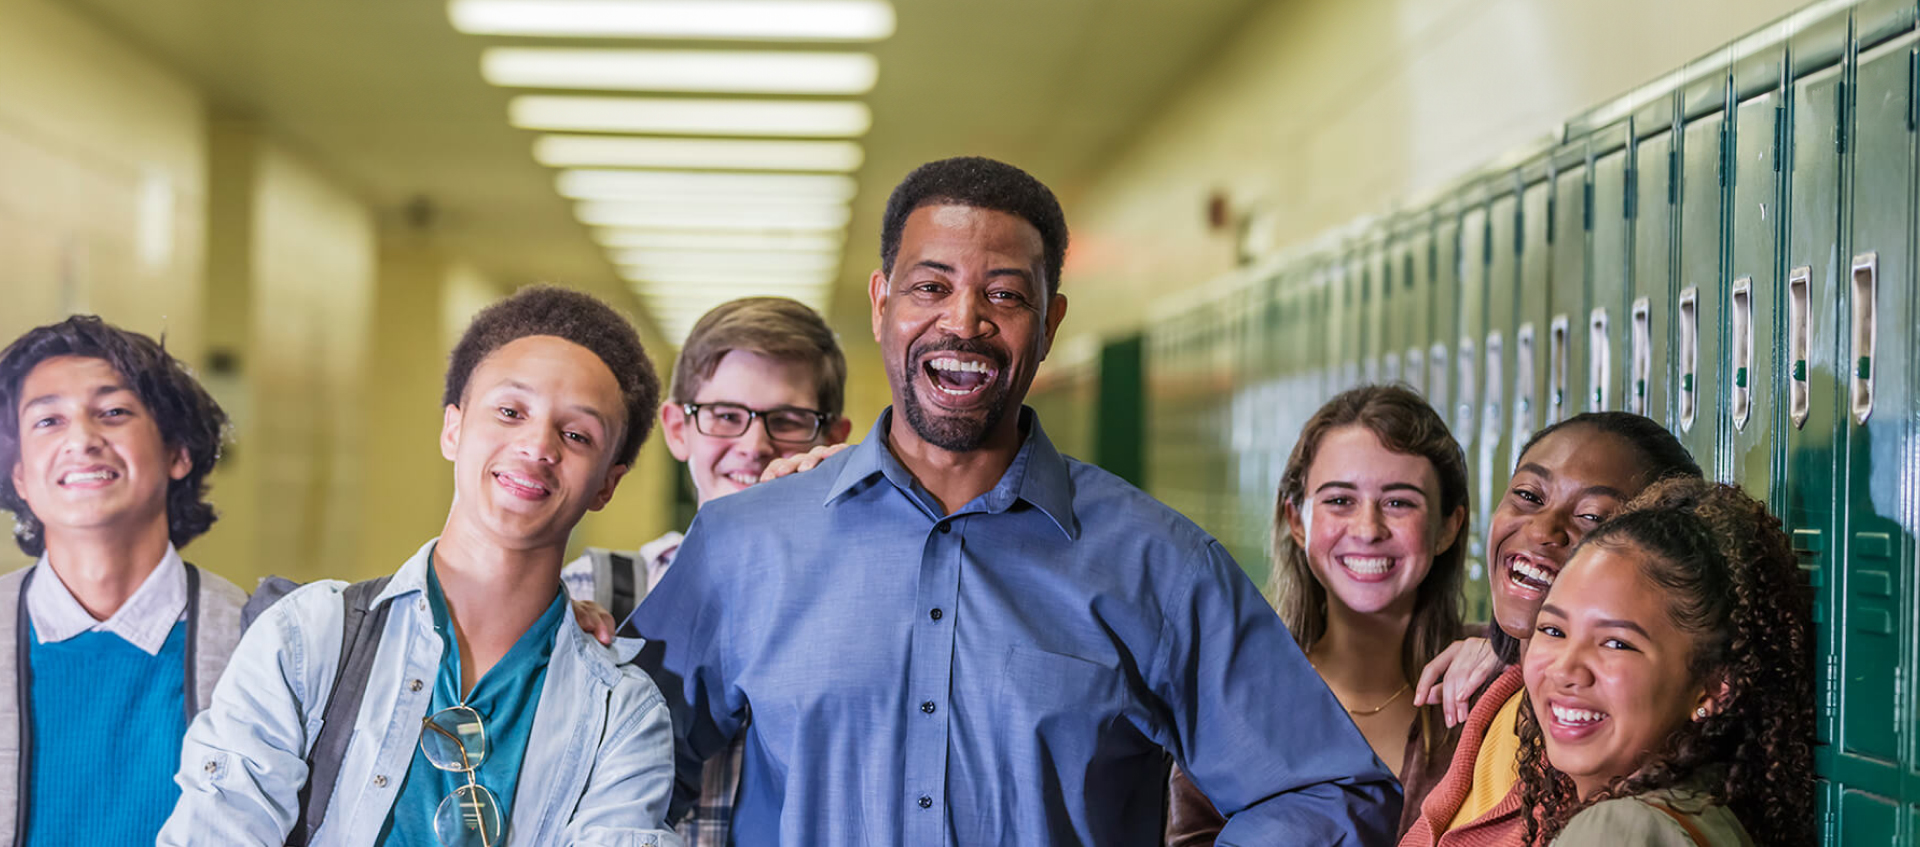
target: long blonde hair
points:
(1404, 423)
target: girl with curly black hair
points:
(1669, 681)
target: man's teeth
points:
(1529, 572)
(744, 479)
(522, 481)
(86, 476)
(1577, 717)
(951, 364)
(1367, 565)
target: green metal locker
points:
(1500, 407)
(1532, 301)
(1876, 404)
(1812, 292)
(1609, 268)
(1567, 379)
(1649, 314)
(1443, 322)
(1374, 290)
(1751, 304)
(1415, 299)
(1699, 229)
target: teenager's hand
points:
(1452, 677)
(800, 462)
(595, 621)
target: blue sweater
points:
(107, 724)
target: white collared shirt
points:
(144, 620)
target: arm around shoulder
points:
(625, 803)
(243, 760)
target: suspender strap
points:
(189, 686)
(359, 644)
(1685, 822)
(23, 669)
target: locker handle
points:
(1740, 403)
(1556, 368)
(1799, 320)
(1496, 384)
(1689, 354)
(1599, 359)
(1866, 270)
(1437, 375)
(1523, 393)
(1641, 365)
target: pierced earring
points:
(1700, 713)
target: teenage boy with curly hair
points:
(483, 715)
(114, 642)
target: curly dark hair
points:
(573, 316)
(1729, 573)
(1405, 423)
(983, 184)
(185, 413)
(1662, 456)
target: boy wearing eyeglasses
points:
(758, 379)
(455, 702)
(114, 642)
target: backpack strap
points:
(623, 578)
(1685, 821)
(23, 668)
(189, 685)
(360, 637)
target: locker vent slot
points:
(1689, 354)
(1798, 324)
(1641, 363)
(1866, 267)
(1557, 369)
(1599, 360)
(1740, 401)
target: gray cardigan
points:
(216, 631)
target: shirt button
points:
(935, 614)
(414, 685)
(926, 802)
(946, 528)
(927, 707)
(212, 766)
(380, 781)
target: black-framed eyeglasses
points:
(790, 424)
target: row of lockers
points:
(1731, 253)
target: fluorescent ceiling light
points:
(751, 217)
(637, 185)
(705, 71)
(703, 279)
(668, 116)
(655, 259)
(563, 151)
(733, 20)
(737, 242)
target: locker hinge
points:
(1725, 137)
(1779, 136)
(1673, 175)
(1553, 212)
(1840, 118)
(1899, 696)
(1913, 87)
(1586, 206)
(1830, 704)
(1630, 199)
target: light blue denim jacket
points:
(598, 770)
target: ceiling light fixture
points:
(737, 242)
(669, 116)
(594, 184)
(733, 20)
(704, 71)
(670, 279)
(690, 260)
(564, 151)
(758, 217)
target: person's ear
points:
(605, 494)
(1712, 699)
(1056, 312)
(182, 464)
(673, 425)
(877, 294)
(838, 431)
(450, 432)
(1450, 530)
(1296, 524)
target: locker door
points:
(1752, 303)
(1609, 268)
(1353, 325)
(1566, 379)
(1531, 300)
(1651, 201)
(1443, 320)
(1498, 350)
(1697, 370)
(1393, 303)
(1812, 290)
(1416, 301)
(1470, 394)
(1877, 405)
(1374, 294)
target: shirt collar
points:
(1038, 475)
(412, 576)
(144, 621)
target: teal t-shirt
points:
(506, 699)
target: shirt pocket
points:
(1046, 685)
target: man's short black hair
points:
(184, 412)
(983, 184)
(572, 316)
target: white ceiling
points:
(387, 97)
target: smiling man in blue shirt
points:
(951, 634)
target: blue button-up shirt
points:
(1009, 673)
